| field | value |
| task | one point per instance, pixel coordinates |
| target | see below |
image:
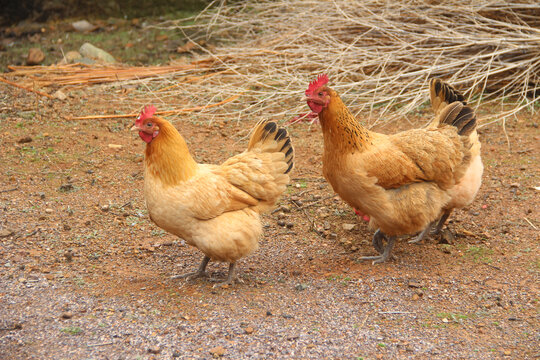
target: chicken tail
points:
(459, 115)
(443, 94)
(269, 137)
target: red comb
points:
(147, 113)
(317, 83)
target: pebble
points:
(115, 146)
(154, 349)
(218, 351)
(49, 211)
(5, 233)
(67, 315)
(249, 330)
(176, 354)
(105, 208)
(289, 225)
(301, 287)
(83, 26)
(60, 95)
(24, 140)
(67, 227)
(281, 223)
(68, 255)
(515, 185)
(65, 187)
(90, 51)
(348, 227)
(35, 56)
(285, 209)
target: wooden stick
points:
(25, 88)
(166, 112)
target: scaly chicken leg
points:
(201, 271)
(377, 243)
(437, 230)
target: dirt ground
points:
(84, 274)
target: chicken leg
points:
(201, 271)
(385, 254)
(437, 230)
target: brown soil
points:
(85, 274)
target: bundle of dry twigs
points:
(379, 54)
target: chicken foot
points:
(201, 271)
(437, 230)
(377, 243)
(230, 277)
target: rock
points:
(67, 315)
(447, 237)
(115, 146)
(515, 185)
(156, 349)
(285, 209)
(176, 354)
(348, 227)
(105, 208)
(25, 140)
(86, 61)
(67, 227)
(281, 223)
(289, 225)
(65, 187)
(414, 284)
(301, 287)
(218, 351)
(90, 51)
(5, 233)
(35, 56)
(60, 95)
(249, 330)
(68, 255)
(83, 26)
(71, 57)
(48, 211)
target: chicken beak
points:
(134, 128)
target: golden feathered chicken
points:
(400, 181)
(463, 192)
(213, 207)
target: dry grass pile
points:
(379, 54)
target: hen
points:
(400, 181)
(213, 207)
(464, 192)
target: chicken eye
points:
(321, 94)
(148, 124)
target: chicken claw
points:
(201, 271)
(377, 259)
(378, 241)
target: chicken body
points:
(402, 180)
(214, 207)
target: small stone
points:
(49, 211)
(444, 320)
(60, 95)
(289, 225)
(71, 57)
(415, 297)
(301, 287)
(348, 227)
(24, 140)
(414, 284)
(90, 51)
(269, 313)
(507, 352)
(68, 255)
(332, 236)
(515, 185)
(285, 209)
(154, 349)
(281, 215)
(176, 354)
(5, 233)
(249, 330)
(67, 315)
(65, 187)
(105, 208)
(446, 237)
(83, 26)
(41, 195)
(218, 351)
(281, 223)
(67, 227)
(35, 56)
(115, 146)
